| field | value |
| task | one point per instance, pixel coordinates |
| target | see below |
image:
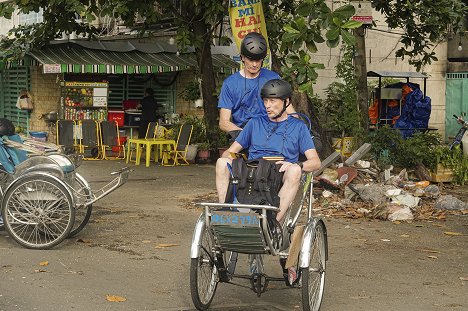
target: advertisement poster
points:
(247, 16)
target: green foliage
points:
(339, 111)
(425, 24)
(418, 149)
(385, 144)
(455, 160)
(295, 29)
(191, 92)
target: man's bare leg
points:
(291, 181)
(222, 178)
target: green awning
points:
(76, 58)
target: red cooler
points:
(116, 115)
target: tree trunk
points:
(206, 73)
(360, 70)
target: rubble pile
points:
(363, 190)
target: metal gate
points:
(456, 101)
(12, 81)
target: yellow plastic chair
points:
(90, 142)
(179, 153)
(110, 141)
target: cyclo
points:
(224, 230)
(43, 199)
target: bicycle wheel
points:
(203, 273)
(82, 214)
(37, 211)
(313, 276)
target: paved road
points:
(119, 254)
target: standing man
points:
(275, 134)
(148, 106)
(240, 94)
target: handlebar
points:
(460, 120)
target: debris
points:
(407, 200)
(419, 192)
(422, 184)
(327, 194)
(363, 210)
(371, 193)
(432, 191)
(358, 154)
(404, 213)
(449, 202)
(362, 164)
(393, 192)
(327, 162)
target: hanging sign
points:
(247, 16)
(52, 68)
(363, 12)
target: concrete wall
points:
(45, 89)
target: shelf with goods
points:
(84, 100)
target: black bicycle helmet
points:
(254, 46)
(276, 88)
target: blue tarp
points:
(415, 113)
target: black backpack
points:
(255, 182)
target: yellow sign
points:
(247, 16)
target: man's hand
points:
(285, 165)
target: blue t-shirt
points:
(242, 96)
(288, 138)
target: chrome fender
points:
(197, 235)
(78, 176)
(309, 235)
(58, 180)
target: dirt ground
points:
(137, 247)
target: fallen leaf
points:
(432, 257)
(44, 263)
(397, 222)
(114, 298)
(146, 241)
(405, 235)
(429, 251)
(453, 233)
(84, 241)
(464, 278)
(160, 246)
(39, 270)
(385, 240)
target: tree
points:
(195, 22)
(295, 28)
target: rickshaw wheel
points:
(203, 273)
(38, 211)
(313, 276)
(82, 214)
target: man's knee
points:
(292, 174)
(221, 165)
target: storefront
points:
(59, 70)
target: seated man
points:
(276, 134)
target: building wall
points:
(45, 89)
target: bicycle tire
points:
(203, 285)
(82, 215)
(313, 276)
(37, 211)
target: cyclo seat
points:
(248, 225)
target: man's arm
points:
(225, 123)
(313, 161)
(234, 148)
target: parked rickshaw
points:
(43, 199)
